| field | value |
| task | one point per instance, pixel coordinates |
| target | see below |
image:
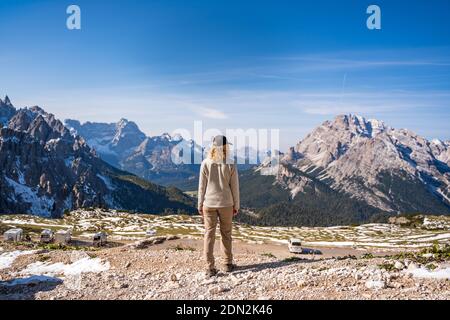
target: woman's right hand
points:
(200, 211)
(235, 212)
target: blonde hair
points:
(219, 154)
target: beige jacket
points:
(218, 186)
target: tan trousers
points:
(210, 216)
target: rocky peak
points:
(127, 134)
(7, 101)
(123, 126)
(122, 123)
(359, 125)
(331, 140)
(21, 120)
(7, 111)
(41, 125)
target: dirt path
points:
(280, 251)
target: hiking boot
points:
(211, 272)
(230, 267)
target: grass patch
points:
(292, 259)
(435, 253)
(367, 255)
(62, 247)
(387, 266)
(179, 247)
(269, 255)
(349, 256)
(431, 266)
(43, 257)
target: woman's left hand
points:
(235, 212)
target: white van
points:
(295, 246)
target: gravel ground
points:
(174, 270)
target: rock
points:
(142, 244)
(396, 285)
(127, 265)
(218, 289)
(77, 255)
(366, 296)
(209, 281)
(174, 277)
(412, 266)
(375, 284)
(398, 265)
(301, 283)
(119, 285)
(159, 240)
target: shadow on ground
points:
(271, 265)
(27, 288)
(311, 251)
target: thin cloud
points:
(211, 113)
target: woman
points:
(218, 197)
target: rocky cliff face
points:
(46, 170)
(393, 170)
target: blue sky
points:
(233, 64)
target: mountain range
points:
(348, 170)
(125, 146)
(47, 170)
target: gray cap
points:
(220, 141)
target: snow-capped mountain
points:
(112, 141)
(46, 170)
(125, 146)
(389, 169)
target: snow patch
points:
(7, 258)
(100, 147)
(83, 265)
(69, 162)
(422, 272)
(40, 205)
